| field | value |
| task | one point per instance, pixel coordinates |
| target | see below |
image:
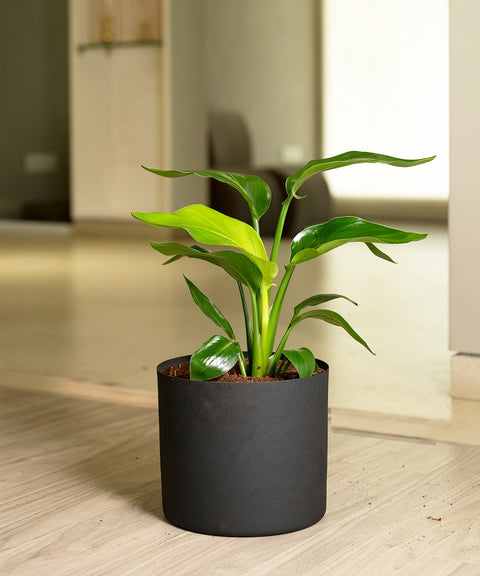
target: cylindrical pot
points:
(243, 459)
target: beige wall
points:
(116, 112)
(464, 207)
(260, 60)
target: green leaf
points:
(209, 226)
(215, 357)
(313, 167)
(375, 250)
(209, 309)
(178, 256)
(268, 269)
(321, 238)
(303, 360)
(235, 264)
(255, 190)
(318, 299)
(332, 318)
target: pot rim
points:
(181, 359)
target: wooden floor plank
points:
(438, 566)
(80, 494)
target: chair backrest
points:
(229, 140)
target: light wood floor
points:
(80, 494)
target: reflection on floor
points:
(79, 310)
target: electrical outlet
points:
(40, 162)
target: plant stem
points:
(283, 365)
(241, 364)
(256, 225)
(256, 361)
(276, 309)
(279, 230)
(278, 353)
(248, 325)
(265, 311)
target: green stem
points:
(265, 314)
(241, 364)
(283, 365)
(256, 225)
(276, 309)
(278, 353)
(248, 325)
(256, 361)
(279, 230)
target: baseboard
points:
(35, 227)
(391, 208)
(465, 376)
(120, 228)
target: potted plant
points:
(243, 435)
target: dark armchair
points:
(230, 150)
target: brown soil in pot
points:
(183, 371)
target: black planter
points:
(245, 459)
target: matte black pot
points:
(245, 459)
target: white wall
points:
(464, 208)
(261, 60)
(386, 90)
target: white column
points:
(464, 209)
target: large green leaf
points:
(320, 238)
(255, 190)
(313, 167)
(318, 299)
(208, 226)
(236, 264)
(303, 360)
(248, 269)
(215, 357)
(209, 309)
(332, 318)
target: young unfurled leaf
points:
(318, 299)
(255, 190)
(236, 264)
(377, 252)
(303, 360)
(332, 318)
(215, 357)
(313, 167)
(321, 238)
(209, 309)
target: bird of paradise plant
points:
(247, 262)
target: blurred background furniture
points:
(230, 150)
